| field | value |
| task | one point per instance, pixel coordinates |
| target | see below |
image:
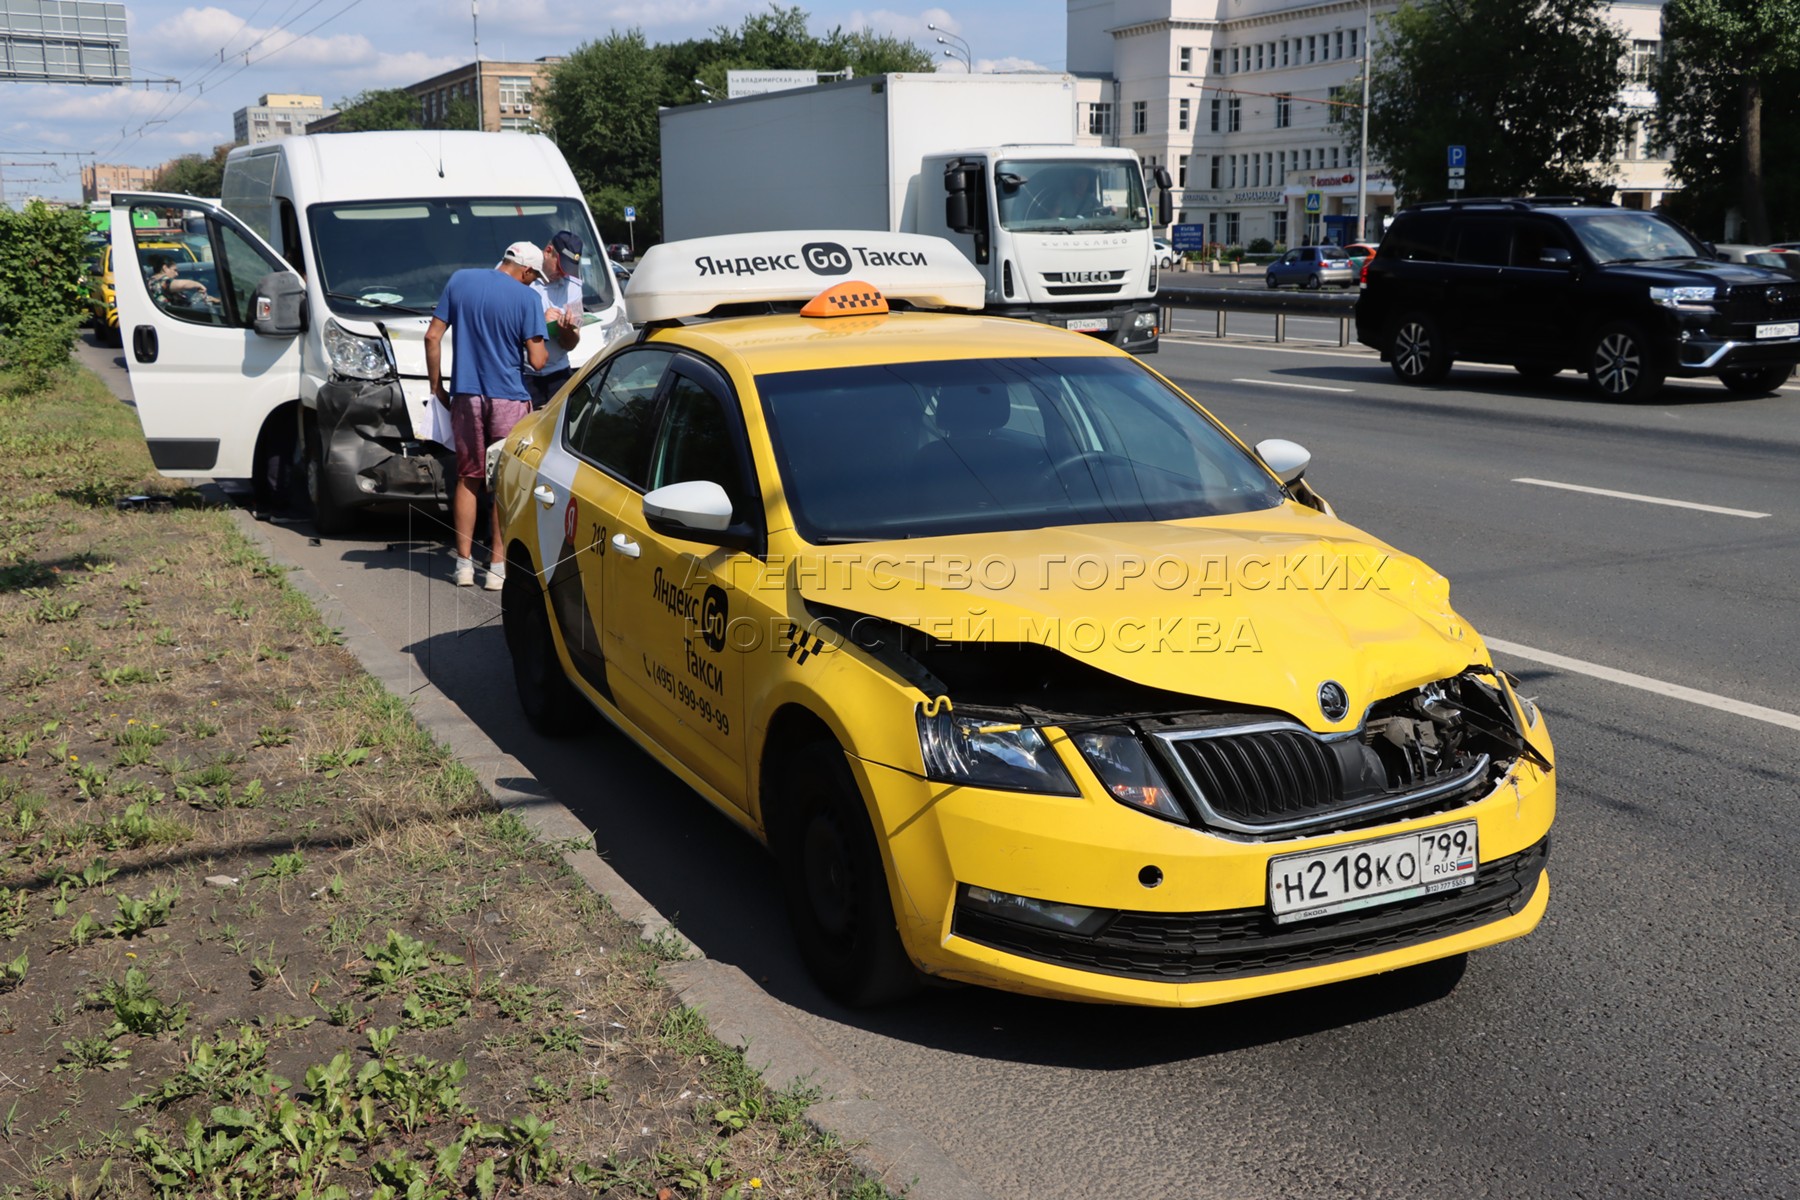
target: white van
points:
(298, 338)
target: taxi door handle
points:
(544, 495)
(624, 545)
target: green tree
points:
(458, 114)
(378, 108)
(600, 107)
(41, 255)
(194, 174)
(1530, 87)
(1728, 109)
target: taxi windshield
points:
(398, 254)
(1073, 195)
(922, 449)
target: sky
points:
(226, 55)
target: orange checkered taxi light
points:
(848, 299)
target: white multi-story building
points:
(276, 115)
(1254, 107)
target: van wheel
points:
(550, 702)
(329, 517)
(834, 882)
(1418, 353)
(1621, 364)
(1754, 381)
(273, 465)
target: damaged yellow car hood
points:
(1256, 608)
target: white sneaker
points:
(496, 577)
(464, 573)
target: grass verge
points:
(260, 936)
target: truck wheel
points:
(1621, 364)
(329, 517)
(550, 702)
(834, 883)
(1754, 381)
(1418, 352)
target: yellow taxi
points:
(103, 298)
(1028, 672)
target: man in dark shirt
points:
(498, 320)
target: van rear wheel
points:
(1418, 352)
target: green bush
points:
(1261, 245)
(41, 256)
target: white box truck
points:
(298, 340)
(1061, 233)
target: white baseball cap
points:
(526, 255)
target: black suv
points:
(1627, 296)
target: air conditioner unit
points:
(525, 108)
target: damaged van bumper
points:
(371, 454)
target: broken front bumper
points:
(370, 453)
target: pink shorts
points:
(477, 423)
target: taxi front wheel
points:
(551, 704)
(833, 881)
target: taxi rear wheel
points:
(551, 704)
(834, 883)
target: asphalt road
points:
(1642, 1042)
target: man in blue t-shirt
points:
(498, 321)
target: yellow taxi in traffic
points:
(103, 299)
(1028, 671)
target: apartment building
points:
(276, 115)
(1254, 107)
(507, 94)
(100, 180)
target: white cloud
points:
(1012, 63)
(102, 104)
(196, 35)
(905, 25)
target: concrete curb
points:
(740, 1012)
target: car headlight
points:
(356, 356)
(1144, 321)
(1683, 297)
(978, 752)
(1128, 773)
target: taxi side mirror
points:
(696, 511)
(278, 305)
(1288, 460)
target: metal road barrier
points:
(1282, 304)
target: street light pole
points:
(1362, 161)
(946, 38)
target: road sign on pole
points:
(1315, 202)
(1456, 183)
(1458, 172)
(1459, 156)
(630, 212)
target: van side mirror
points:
(957, 214)
(278, 305)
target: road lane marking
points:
(1305, 387)
(1594, 491)
(1741, 708)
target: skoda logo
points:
(1334, 701)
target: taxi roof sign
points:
(693, 277)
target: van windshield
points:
(1070, 195)
(383, 256)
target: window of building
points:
(1631, 141)
(1306, 159)
(515, 94)
(1312, 48)
(1284, 112)
(1100, 119)
(1213, 172)
(1181, 171)
(1642, 65)
(1231, 229)
(1281, 165)
(1182, 112)
(1218, 62)
(1339, 40)
(1284, 51)
(1278, 226)
(1216, 106)
(1186, 60)
(1140, 116)
(1353, 36)
(1235, 60)
(1234, 108)
(1336, 161)
(1334, 111)
(1259, 56)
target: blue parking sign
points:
(1459, 156)
(631, 212)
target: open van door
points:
(211, 332)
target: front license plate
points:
(1364, 874)
(1783, 329)
(1087, 324)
